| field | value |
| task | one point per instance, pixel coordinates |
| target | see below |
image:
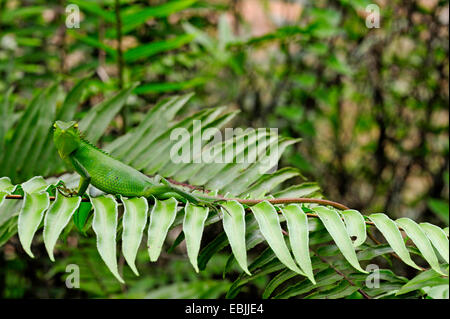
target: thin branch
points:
(275, 201)
(255, 201)
(248, 201)
(291, 201)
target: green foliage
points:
(240, 232)
(369, 104)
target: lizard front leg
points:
(85, 178)
(63, 189)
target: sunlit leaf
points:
(35, 203)
(335, 226)
(57, 218)
(428, 278)
(194, 220)
(234, 226)
(162, 216)
(356, 226)
(104, 225)
(417, 235)
(269, 224)
(393, 236)
(134, 220)
(438, 238)
(297, 223)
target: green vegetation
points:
(362, 119)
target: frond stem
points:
(256, 201)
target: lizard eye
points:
(75, 125)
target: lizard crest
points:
(67, 138)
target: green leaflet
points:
(6, 185)
(252, 237)
(280, 278)
(213, 247)
(156, 125)
(57, 217)
(135, 19)
(440, 208)
(163, 143)
(36, 184)
(202, 289)
(94, 123)
(335, 226)
(22, 139)
(44, 121)
(302, 190)
(438, 292)
(234, 226)
(338, 291)
(170, 167)
(6, 188)
(170, 141)
(446, 231)
(232, 145)
(162, 217)
(418, 236)
(145, 51)
(194, 220)
(6, 120)
(324, 278)
(93, 42)
(254, 165)
(269, 224)
(211, 155)
(297, 223)
(30, 216)
(152, 126)
(35, 203)
(134, 220)
(356, 226)
(2, 197)
(8, 229)
(267, 160)
(9, 209)
(393, 236)
(94, 8)
(268, 182)
(428, 278)
(161, 87)
(245, 151)
(438, 238)
(266, 269)
(104, 225)
(72, 100)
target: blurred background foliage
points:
(370, 104)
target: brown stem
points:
(290, 201)
(248, 201)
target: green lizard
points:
(108, 174)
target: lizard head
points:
(66, 137)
